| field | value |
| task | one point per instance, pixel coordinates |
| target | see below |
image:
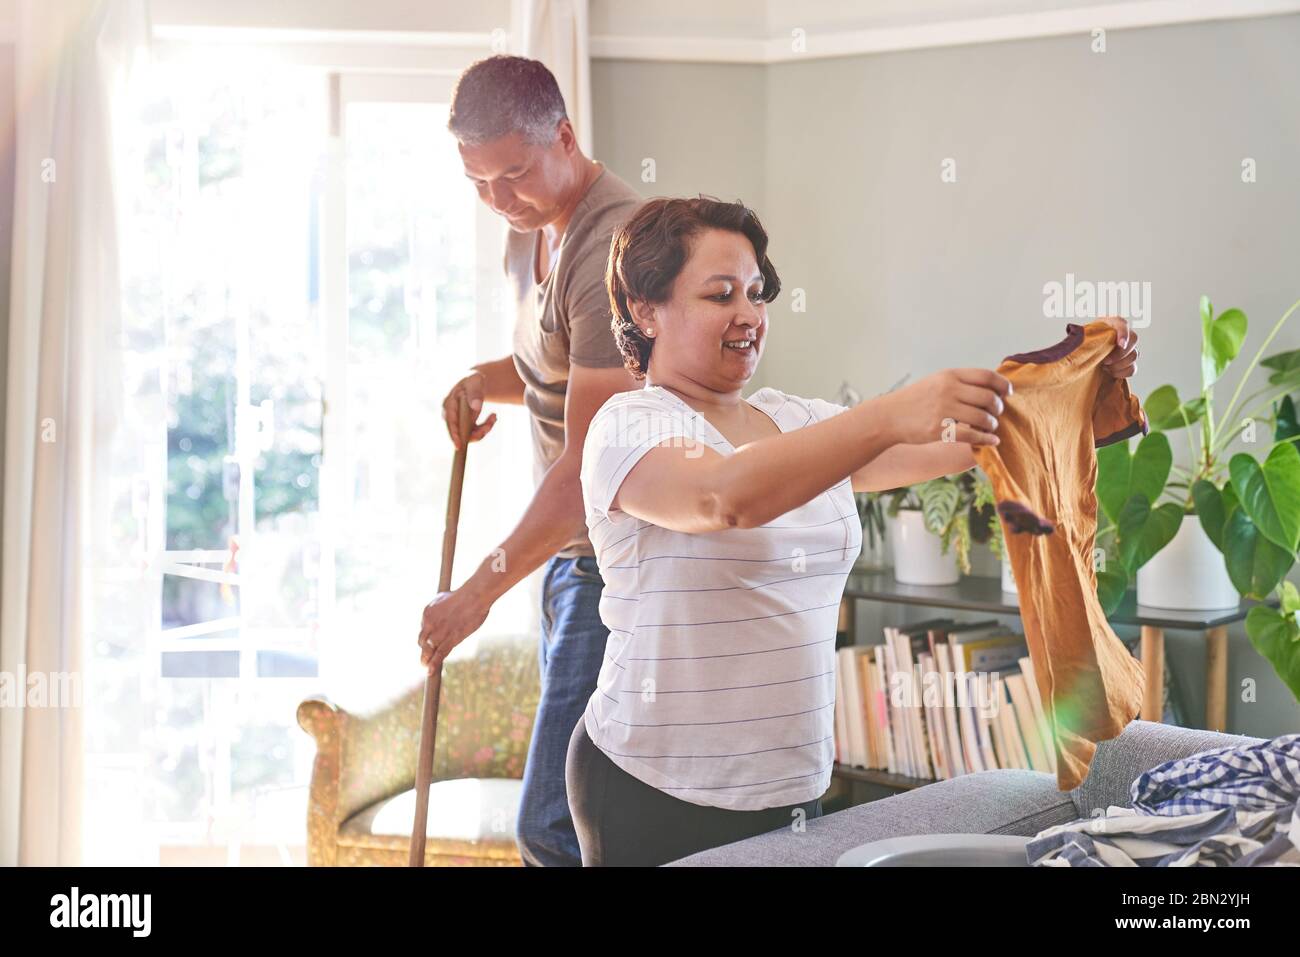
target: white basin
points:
(940, 850)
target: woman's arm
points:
(689, 487)
(902, 465)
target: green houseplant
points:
(1248, 506)
(950, 506)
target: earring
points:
(650, 332)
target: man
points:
(520, 152)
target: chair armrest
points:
(322, 720)
(485, 719)
(1141, 746)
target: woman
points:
(725, 528)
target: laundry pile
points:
(1235, 807)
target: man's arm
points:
(501, 382)
(555, 514)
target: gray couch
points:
(990, 802)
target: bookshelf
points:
(980, 593)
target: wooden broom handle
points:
(433, 683)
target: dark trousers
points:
(622, 821)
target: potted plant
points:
(871, 512)
(1247, 529)
(988, 527)
(932, 528)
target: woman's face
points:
(712, 329)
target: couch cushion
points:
(988, 802)
(1142, 746)
(468, 817)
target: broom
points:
(433, 684)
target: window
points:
(308, 272)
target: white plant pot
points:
(1008, 577)
(918, 553)
(1188, 574)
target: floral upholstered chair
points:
(362, 799)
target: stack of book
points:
(941, 698)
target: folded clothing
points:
(1235, 807)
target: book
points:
(970, 746)
(983, 704)
(883, 713)
(846, 676)
(1017, 756)
(867, 689)
(953, 734)
(932, 703)
(1040, 713)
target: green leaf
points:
(1270, 493)
(1114, 466)
(1208, 372)
(1189, 414)
(1210, 510)
(1290, 598)
(1227, 333)
(939, 499)
(1111, 586)
(1276, 636)
(1144, 530)
(1255, 564)
(1151, 464)
(1287, 381)
(1287, 426)
(1160, 403)
(1165, 411)
(1229, 502)
(1283, 361)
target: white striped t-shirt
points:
(718, 685)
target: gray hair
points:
(503, 95)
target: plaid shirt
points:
(1237, 807)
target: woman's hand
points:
(473, 388)
(953, 405)
(1122, 361)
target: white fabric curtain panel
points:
(72, 61)
(557, 33)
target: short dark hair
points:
(503, 95)
(647, 253)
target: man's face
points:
(522, 182)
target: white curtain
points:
(556, 32)
(73, 59)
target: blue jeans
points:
(570, 654)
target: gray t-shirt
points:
(565, 320)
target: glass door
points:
(423, 301)
(307, 273)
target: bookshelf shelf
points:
(984, 594)
(898, 782)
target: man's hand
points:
(473, 387)
(1122, 361)
(448, 620)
